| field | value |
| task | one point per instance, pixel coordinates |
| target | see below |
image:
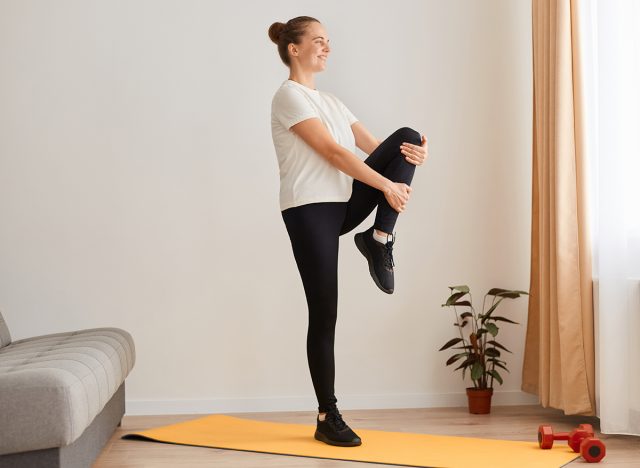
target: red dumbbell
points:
(581, 440)
(546, 436)
(592, 449)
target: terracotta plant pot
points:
(479, 400)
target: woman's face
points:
(313, 50)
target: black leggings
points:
(314, 230)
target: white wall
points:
(139, 189)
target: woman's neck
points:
(303, 79)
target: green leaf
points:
(450, 343)
(491, 309)
(496, 375)
(492, 328)
(492, 352)
(466, 314)
(497, 362)
(512, 294)
(496, 359)
(454, 298)
(463, 366)
(462, 303)
(470, 360)
(454, 358)
(463, 347)
(463, 288)
(502, 366)
(476, 371)
(503, 319)
(498, 345)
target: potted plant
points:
(479, 351)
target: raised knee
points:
(409, 135)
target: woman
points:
(326, 191)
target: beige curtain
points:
(559, 362)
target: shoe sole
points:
(358, 238)
(323, 438)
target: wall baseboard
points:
(347, 402)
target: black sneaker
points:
(380, 258)
(334, 431)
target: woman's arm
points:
(414, 154)
(364, 139)
(316, 135)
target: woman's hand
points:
(415, 154)
(397, 195)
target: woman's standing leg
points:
(314, 231)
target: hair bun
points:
(275, 31)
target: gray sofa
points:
(61, 395)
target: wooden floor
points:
(504, 422)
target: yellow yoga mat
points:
(393, 448)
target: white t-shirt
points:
(305, 175)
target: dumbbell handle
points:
(561, 436)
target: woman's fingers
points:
(393, 200)
(415, 154)
(404, 198)
(399, 197)
(409, 154)
(407, 192)
(409, 149)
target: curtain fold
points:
(559, 358)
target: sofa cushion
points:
(5, 337)
(53, 386)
